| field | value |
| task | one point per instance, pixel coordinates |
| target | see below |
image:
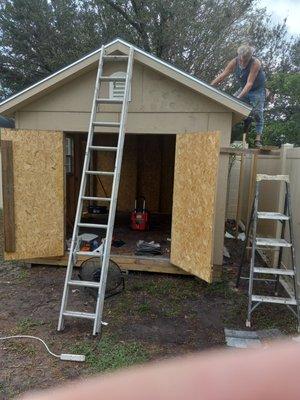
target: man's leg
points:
(257, 100)
(247, 125)
(247, 121)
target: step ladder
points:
(96, 317)
(255, 243)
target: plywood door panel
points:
(195, 184)
(38, 175)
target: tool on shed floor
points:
(256, 243)
(140, 216)
(96, 316)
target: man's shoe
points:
(258, 143)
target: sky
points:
(284, 8)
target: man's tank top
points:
(243, 73)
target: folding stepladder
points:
(112, 200)
(255, 243)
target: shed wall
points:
(158, 106)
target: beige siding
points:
(158, 105)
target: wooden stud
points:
(240, 189)
(8, 196)
(239, 151)
(251, 186)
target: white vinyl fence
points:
(271, 193)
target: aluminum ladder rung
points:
(105, 249)
(270, 242)
(272, 215)
(78, 314)
(273, 299)
(264, 248)
(106, 124)
(109, 101)
(265, 177)
(83, 283)
(105, 173)
(113, 78)
(87, 225)
(103, 148)
(115, 58)
(92, 198)
(274, 271)
(88, 254)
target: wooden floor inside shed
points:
(159, 232)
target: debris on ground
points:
(241, 339)
(251, 339)
(242, 236)
(226, 252)
(229, 235)
(117, 243)
(147, 248)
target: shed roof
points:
(88, 62)
(6, 122)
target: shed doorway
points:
(147, 173)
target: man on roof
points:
(249, 72)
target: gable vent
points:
(117, 89)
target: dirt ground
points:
(157, 316)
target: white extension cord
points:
(63, 357)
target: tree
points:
(283, 113)
(37, 37)
(31, 37)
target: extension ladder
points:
(112, 200)
(256, 243)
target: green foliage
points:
(283, 113)
(38, 37)
(144, 308)
(108, 354)
(26, 326)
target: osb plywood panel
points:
(38, 162)
(195, 181)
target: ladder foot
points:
(248, 323)
(61, 326)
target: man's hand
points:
(227, 71)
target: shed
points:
(176, 125)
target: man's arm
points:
(251, 78)
(227, 71)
